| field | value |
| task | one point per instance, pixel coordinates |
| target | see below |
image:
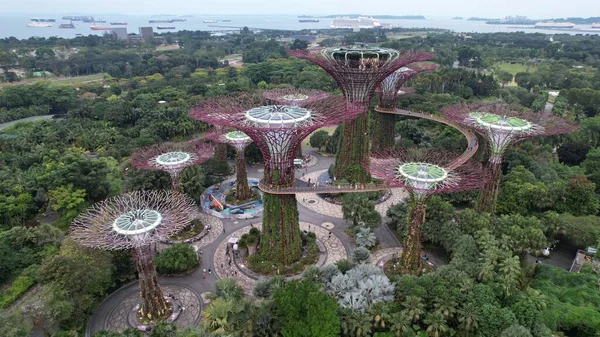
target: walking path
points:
(28, 119)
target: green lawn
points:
(512, 68)
(79, 79)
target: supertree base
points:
(383, 136)
(353, 153)
(280, 240)
(142, 320)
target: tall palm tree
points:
(218, 317)
(228, 289)
(467, 318)
(401, 325)
(436, 324)
(414, 308)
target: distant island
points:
(354, 16)
(524, 20)
(474, 18)
(458, 18)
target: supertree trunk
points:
(383, 135)
(221, 152)
(280, 239)
(175, 181)
(353, 152)
(154, 307)
(410, 259)
(488, 195)
(242, 190)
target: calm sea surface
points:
(15, 25)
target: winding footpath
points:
(28, 119)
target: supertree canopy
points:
(358, 71)
(239, 141)
(422, 174)
(502, 127)
(278, 131)
(137, 220)
(389, 90)
(297, 97)
(172, 157)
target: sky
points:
(535, 9)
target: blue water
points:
(15, 25)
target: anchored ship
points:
(165, 27)
(37, 24)
(66, 26)
(554, 25)
(160, 21)
(43, 19)
(118, 23)
(358, 23)
(596, 25)
(94, 27)
(308, 20)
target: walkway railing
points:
(472, 146)
(321, 188)
(472, 143)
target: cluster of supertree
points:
(172, 157)
(358, 72)
(422, 173)
(239, 141)
(502, 127)
(136, 221)
(389, 91)
(278, 131)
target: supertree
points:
(172, 157)
(239, 141)
(358, 71)
(220, 147)
(422, 173)
(136, 221)
(278, 131)
(297, 97)
(389, 90)
(502, 127)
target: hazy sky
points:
(482, 8)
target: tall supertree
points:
(389, 90)
(239, 141)
(172, 157)
(358, 71)
(136, 221)
(502, 127)
(278, 131)
(220, 147)
(422, 174)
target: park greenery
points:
(51, 170)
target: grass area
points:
(513, 68)
(167, 47)
(233, 57)
(79, 79)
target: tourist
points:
(203, 275)
(209, 271)
(329, 237)
(308, 182)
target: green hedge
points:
(177, 259)
(16, 290)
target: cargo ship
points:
(118, 23)
(555, 25)
(512, 20)
(66, 26)
(308, 20)
(43, 19)
(94, 27)
(210, 21)
(596, 25)
(160, 21)
(178, 20)
(165, 27)
(79, 18)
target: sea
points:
(15, 25)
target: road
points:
(28, 119)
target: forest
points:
(51, 170)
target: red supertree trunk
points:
(242, 190)
(410, 259)
(221, 152)
(353, 151)
(383, 137)
(488, 195)
(154, 307)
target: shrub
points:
(18, 288)
(177, 259)
(344, 265)
(365, 237)
(361, 255)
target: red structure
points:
(278, 131)
(220, 148)
(239, 141)
(136, 221)
(358, 72)
(502, 127)
(422, 174)
(172, 157)
(388, 91)
(297, 97)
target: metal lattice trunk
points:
(358, 72)
(242, 189)
(502, 127)
(384, 134)
(153, 304)
(410, 257)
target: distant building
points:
(307, 38)
(120, 33)
(146, 33)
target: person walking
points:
(209, 271)
(203, 275)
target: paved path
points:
(334, 249)
(28, 119)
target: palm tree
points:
(228, 289)
(218, 317)
(467, 318)
(447, 307)
(436, 324)
(356, 207)
(414, 308)
(401, 325)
